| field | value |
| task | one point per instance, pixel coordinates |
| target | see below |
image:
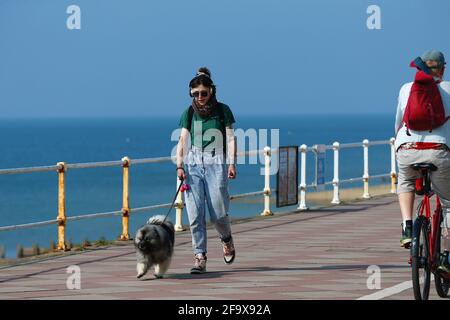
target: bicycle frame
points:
(436, 221)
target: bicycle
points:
(426, 240)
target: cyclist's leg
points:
(407, 179)
(445, 223)
(440, 180)
(405, 190)
(446, 227)
(444, 259)
(406, 201)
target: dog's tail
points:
(159, 219)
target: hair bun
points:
(205, 71)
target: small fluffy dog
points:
(154, 244)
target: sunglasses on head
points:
(202, 93)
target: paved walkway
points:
(321, 254)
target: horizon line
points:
(141, 116)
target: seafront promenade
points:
(328, 253)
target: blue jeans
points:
(207, 176)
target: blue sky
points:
(135, 57)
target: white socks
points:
(404, 224)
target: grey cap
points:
(434, 55)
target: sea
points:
(33, 197)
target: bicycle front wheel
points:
(420, 251)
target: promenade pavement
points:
(320, 254)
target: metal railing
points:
(62, 167)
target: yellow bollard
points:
(393, 182)
(393, 167)
(61, 206)
(126, 199)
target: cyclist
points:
(415, 146)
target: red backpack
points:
(424, 110)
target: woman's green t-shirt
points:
(213, 122)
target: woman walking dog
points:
(206, 154)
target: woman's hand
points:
(231, 172)
(181, 174)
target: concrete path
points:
(321, 254)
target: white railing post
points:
(179, 205)
(366, 194)
(393, 171)
(336, 199)
(267, 191)
(302, 205)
